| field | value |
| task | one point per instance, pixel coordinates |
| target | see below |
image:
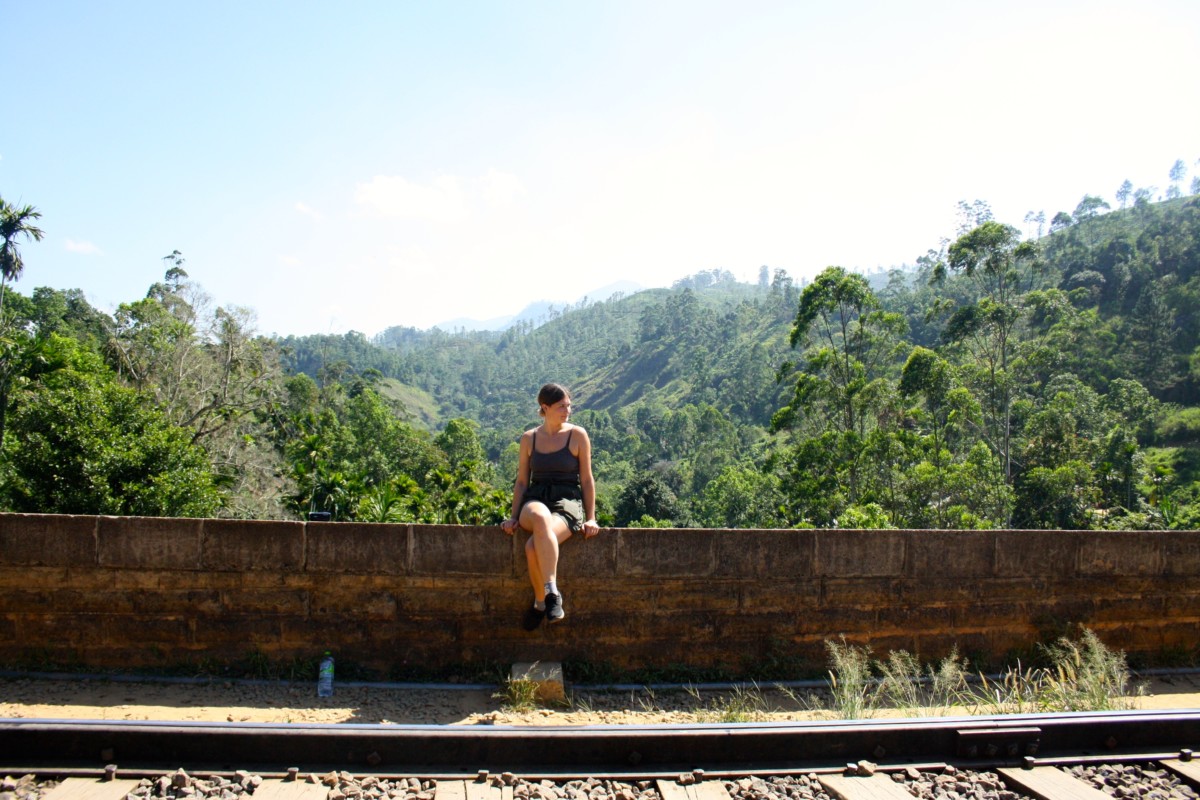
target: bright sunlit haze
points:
(378, 164)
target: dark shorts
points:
(563, 500)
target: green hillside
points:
(1107, 300)
(998, 381)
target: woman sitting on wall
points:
(554, 497)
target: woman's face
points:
(559, 411)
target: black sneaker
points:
(554, 609)
(532, 619)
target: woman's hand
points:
(590, 528)
(509, 525)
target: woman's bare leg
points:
(535, 572)
(541, 550)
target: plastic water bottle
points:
(325, 677)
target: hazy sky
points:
(365, 164)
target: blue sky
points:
(367, 164)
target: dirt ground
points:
(80, 698)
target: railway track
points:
(987, 757)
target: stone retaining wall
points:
(107, 592)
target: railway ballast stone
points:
(955, 784)
(27, 787)
(1135, 780)
(790, 787)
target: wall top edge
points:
(683, 531)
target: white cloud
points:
(290, 261)
(309, 211)
(442, 200)
(501, 189)
(82, 248)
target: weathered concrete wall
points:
(136, 591)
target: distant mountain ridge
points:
(539, 311)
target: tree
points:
(1123, 194)
(344, 446)
(849, 341)
(1061, 220)
(16, 222)
(460, 499)
(1178, 174)
(156, 345)
(1089, 207)
(1003, 268)
(647, 495)
(1153, 330)
(82, 444)
(1056, 497)
(17, 350)
(741, 497)
(927, 374)
(211, 374)
(996, 260)
(1037, 218)
(971, 215)
(459, 440)
(783, 289)
(704, 279)
(69, 314)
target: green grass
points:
(521, 694)
(740, 704)
(1087, 676)
(850, 679)
(1080, 674)
(518, 695)
(420, 404)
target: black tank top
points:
(555, 466)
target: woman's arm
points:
(587, 483)
(521, 484)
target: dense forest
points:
(1045, 378)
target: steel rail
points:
(617, 750)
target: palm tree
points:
(15, 222)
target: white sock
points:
(551, 587)
(540, 605)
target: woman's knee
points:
(536, 518)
